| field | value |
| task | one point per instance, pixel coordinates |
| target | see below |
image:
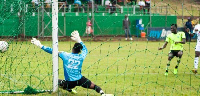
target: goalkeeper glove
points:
(75, 36)
(36, 42)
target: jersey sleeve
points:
(63, 54)
(47, 49)
(167, 38)
(183, 35)
(84, 50)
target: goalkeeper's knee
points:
(61, 83)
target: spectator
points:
(89, 29)
(90, 6)
(107, 4)
(77, 4)
(66, 4)
(96, 8)
(141, 3)
(48, 3)
(35, 4)
(194, 22)
(84, 7)
(187, 34)
(126, 27)
(118, 6)
(113, 7)
(147, 6)
(61, 3)
(188, 24)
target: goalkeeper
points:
(72, 64)
(177, 39)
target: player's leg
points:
(88, 30)
(144, 9)
(67, 85)
(86, 83)
(99, 90)
(125, 30)
(196, 61)
(129, 33)
(92, 33)
(170, 57)
(179, 55)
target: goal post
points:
(55, 43)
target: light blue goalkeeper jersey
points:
(72, 63)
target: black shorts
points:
(147, 5)
(84, 82)
(175, 52)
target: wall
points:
(109, 24)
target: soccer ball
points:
(3, 46)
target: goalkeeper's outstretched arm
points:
(75, 36)
(38, 43)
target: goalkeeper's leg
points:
(86, 83)
(67, 85)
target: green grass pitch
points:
(123, 68)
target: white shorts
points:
(88, 28)
(197, 48)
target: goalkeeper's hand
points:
(75, 36)
(36, 42)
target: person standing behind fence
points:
(35, 4)
(89, 29)
(141, 3)
(147, 6)
(188, 24)
(126, 27)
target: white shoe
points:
(107, 95)
(194, 71)
(131, 39)
(126, 39)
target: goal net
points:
(120, 65)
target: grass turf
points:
(123, 68)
